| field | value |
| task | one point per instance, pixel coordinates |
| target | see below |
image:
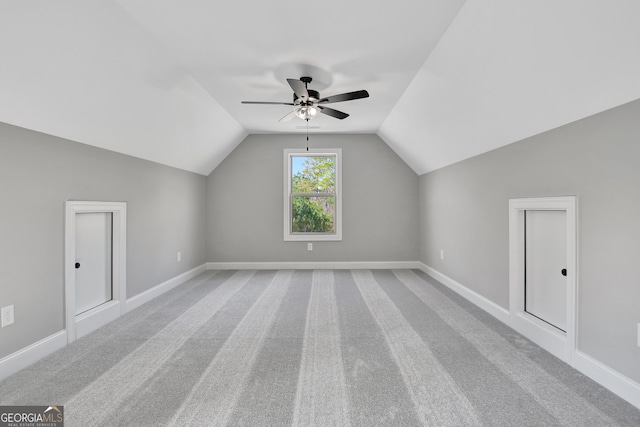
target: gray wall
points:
(245, 203)
(464, 211)
(38, 173)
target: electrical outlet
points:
(179, 257)
(309, 246)
(7, 315)
(441, 254)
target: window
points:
(313, 204)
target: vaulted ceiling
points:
(448, 79)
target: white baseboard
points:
(146, 296)
(14, 362)
(330, 265)
(544, 335)
(487, 305)
(36, 351)
(96, 318)
(624, 387)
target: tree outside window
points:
(312, 195)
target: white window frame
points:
(289, 153)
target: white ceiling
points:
(448, 79)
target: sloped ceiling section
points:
(246, 50)
(162, 80)
(506, 70)
(87, 72)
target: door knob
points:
(77, 265)
(564, 272)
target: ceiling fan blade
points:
(345, 97)
(288, 117)
(270, 103)
(333, 113)
(299, 89)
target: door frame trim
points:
(79, 325)
(561, 345)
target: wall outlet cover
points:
(7, 316)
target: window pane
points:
(313, 214)
(313, 174)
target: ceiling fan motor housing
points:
(314, 95)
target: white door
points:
(545, 266)
(93, 264)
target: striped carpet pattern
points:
(312, 348)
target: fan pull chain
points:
(307, 120)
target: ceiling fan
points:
(307, 102)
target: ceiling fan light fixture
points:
(306, 112)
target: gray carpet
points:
(312, 348)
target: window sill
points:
(312, 238)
